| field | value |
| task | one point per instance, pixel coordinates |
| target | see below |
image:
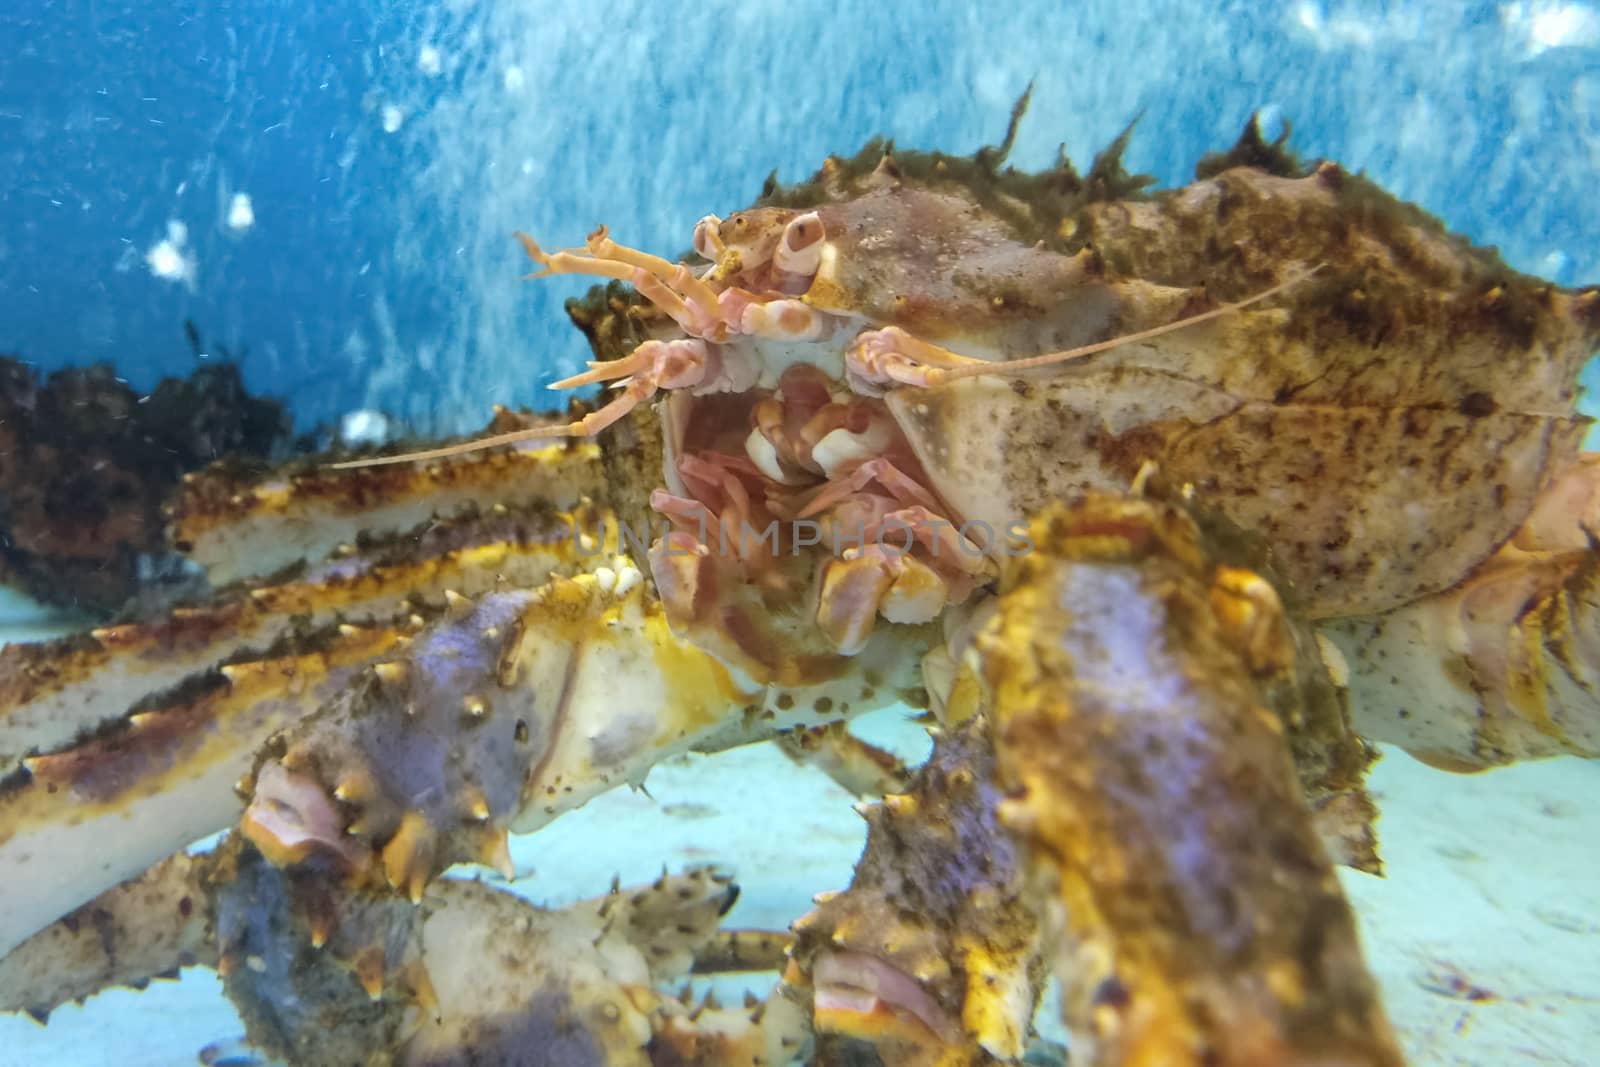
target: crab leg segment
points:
(1195, 915)
(604, 258)
(904, 489)
(84, 820)
(320, 978)
(778, 320)
(882, 576)
(145, 928)
(52, 692)
(872, 581)
(856, 766)
(240, 529)
(670, 286)
(933, 955)
(475, 975)
(653, 365)
(509, 712)
(1506, 665)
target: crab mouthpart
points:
(862, 996)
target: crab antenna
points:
(947, 374)
(563, 430)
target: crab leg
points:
(148, 927)
(667, 364)
(902, 487)
(855, 765)
(52, 692)
(653, 365)
(933, 954)
(321, 978)
(1195, 915)
(1505, 666)
(84, 820)
(516, 709)
(423, 753)
(236, 530)
(674, 274)
(475, 975)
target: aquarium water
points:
(327, 192)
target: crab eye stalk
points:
(800, 249)
(707, 240)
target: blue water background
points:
(388, 151)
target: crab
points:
(829, 480)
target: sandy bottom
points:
(1485, 934)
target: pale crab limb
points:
(666, 364)
(778, 320)
(863, 584)
(1506, 665)
(857, 766)
(53, 692)
(238, 529)
(84, 820)
(738, 534)
(635, 391)
(673, 274)
(893, 356)
(934, 952)
(916, 525)
(653, 365)
(143, 929)
(852, 588)
(676, 308)
(1193, 914)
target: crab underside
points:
(1159, 508)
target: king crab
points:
(939, 347)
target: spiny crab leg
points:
(512, 710)
(924, 976)
(1194, 914)
(891, 356)
(479, 974)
